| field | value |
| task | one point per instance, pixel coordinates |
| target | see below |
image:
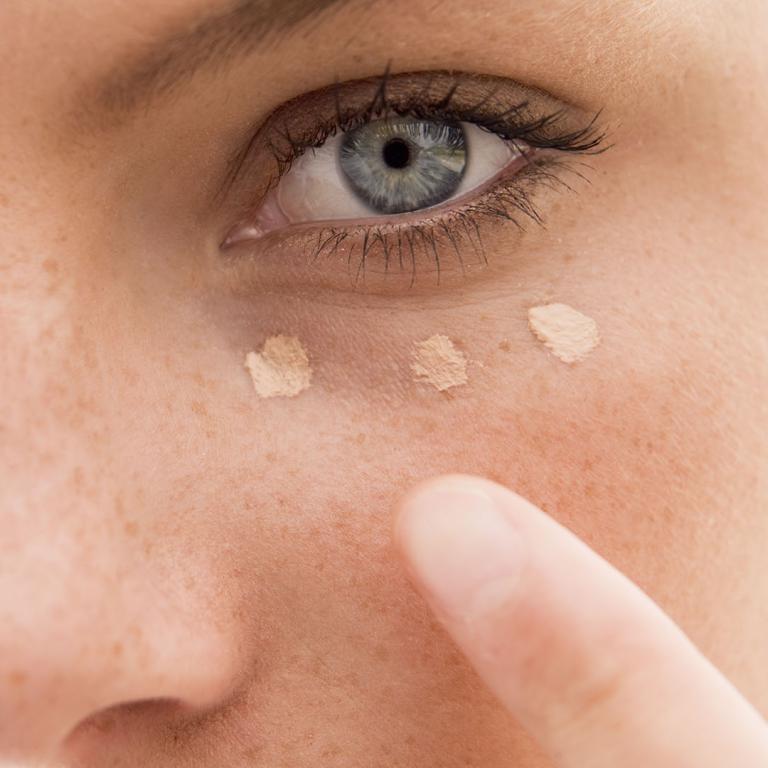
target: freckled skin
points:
(166, 536)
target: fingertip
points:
(457, 541)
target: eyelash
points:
(406, 244)
(509, 198)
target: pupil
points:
(397, 153)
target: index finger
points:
(593, 669)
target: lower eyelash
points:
(379, 248)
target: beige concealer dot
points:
(564, 331)
(281, 369)
(438, 362)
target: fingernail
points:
(460, 545)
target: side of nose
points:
(91, 625)
(76, 641)
(91, 616)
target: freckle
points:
(78, 478)
(381, 653)
(51, 266)
(117, 649)
(4, 200)
(131, 528)
(271, 457)
(360, 438)
(130, 376)
(103, 722)
(332, 751)
(17, 678)
(428, 426)
(199, 408)
(542, 388)
(505, 346)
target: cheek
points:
(288, 501)
(625, 448)
(629, 448)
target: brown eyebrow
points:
(202, 43)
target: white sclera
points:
(315, 188)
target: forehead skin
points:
(166, 536)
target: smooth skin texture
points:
(194, 576)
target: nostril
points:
(59, 701)
(110, 730)
(105, 720)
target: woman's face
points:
(193, 574)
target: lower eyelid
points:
(399, 257)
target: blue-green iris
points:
(398, 165)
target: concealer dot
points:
(565, 332)
(281, 368)
(439, 363)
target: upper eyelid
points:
(312, 117)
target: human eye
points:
(393, 165)
(390, 177)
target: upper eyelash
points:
(508, 123)
(505, 201)
(510, 198)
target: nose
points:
(88, 626)
(110, 596)
(101, 608)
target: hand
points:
(583, 659)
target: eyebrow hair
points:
(199, 43)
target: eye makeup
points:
(437, 362)
(566, 333)
(281, 368)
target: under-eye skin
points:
(397, 175)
